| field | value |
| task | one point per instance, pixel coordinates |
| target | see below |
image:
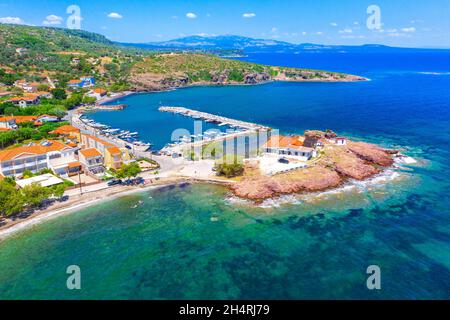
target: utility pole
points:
(79, 183)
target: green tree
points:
(229, 167)
(15, 204)
(58, 190)
(59, 94)
(35, 194)
(7, 190)
(128, 170)
(89, 100)
(27, 174)
(43, 87)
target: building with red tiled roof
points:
(289, 146)
(34, 157)
(26, 100)
(113, 156)
(92, 160)
(97, 93)
(11, 122)
(68, 131)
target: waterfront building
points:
(113, 156)
(92, 160)
(35, 157)
(290, 146)
(97, 93)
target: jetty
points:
(208, 117)
(110, 107)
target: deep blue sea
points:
(310, 246)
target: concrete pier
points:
(221, 121)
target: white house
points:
(97, 93)
(289, 147)
(340, 141)
(33, 157)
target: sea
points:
(200, 242)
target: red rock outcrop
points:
(311, 179)
(372, 153)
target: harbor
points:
(122, 138)
(234, 128)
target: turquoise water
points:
(310, 246)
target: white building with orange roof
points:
(26, 100)
(92, 160)
(97, 93)
(114, 157)
(35, 157)
(289, 146)
(68, 131)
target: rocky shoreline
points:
(333, 168)
(169, 71)
(152, 83)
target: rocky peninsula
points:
(334, 165)
(175, 70)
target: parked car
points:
(283, 160)
(114, 182)
(139, 180)
(127, 182)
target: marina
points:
(123, 138)
(235, 128)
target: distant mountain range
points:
(247, 45)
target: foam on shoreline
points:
(352, 186)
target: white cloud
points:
(52, 20)
(12, 20)
(392, 30)
(191, 15)
(115, 15)
(409, 29)
(356, 23)
(319, 33)
(175, 17)
(274, 30)
(333, 24)
(346, 30)
(303, 33)
(352, 36)
(248, 15)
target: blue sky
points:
(418, 23)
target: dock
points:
(110, 107)
(208, 117)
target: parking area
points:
(270, 164)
